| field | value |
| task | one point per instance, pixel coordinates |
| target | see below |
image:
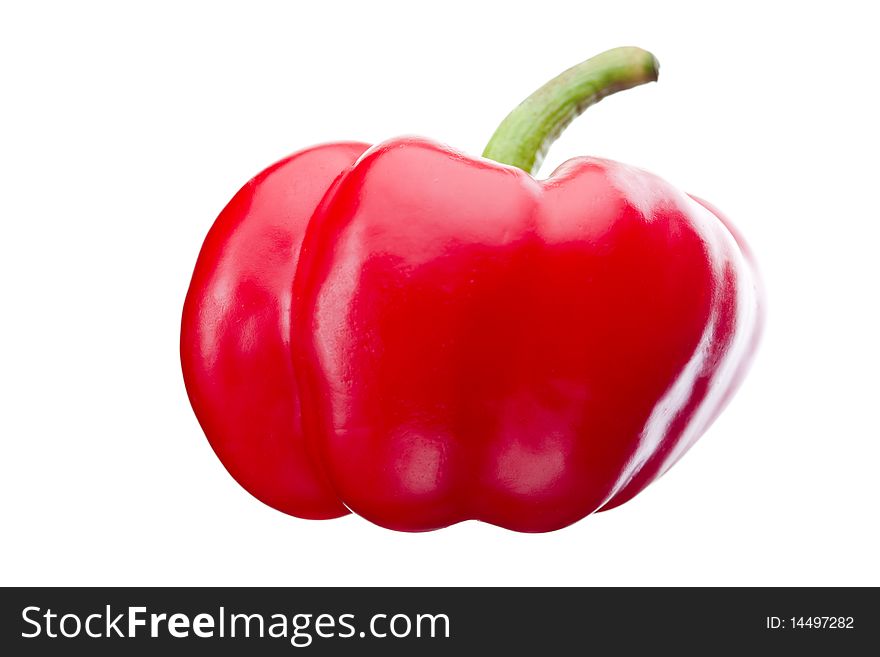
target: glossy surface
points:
(236, 330)
(473, 343)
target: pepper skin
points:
(235, 333)
(455, 339)
(476, 344)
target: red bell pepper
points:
(464, 341)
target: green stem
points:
(524, 136)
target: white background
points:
(125, 129)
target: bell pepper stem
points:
(524, 137)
